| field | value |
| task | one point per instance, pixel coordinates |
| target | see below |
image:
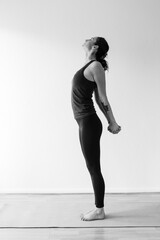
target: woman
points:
(88, 80)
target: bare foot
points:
(93, 215)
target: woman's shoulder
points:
(96, 65)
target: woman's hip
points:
(91, 122)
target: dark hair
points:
(102, 52)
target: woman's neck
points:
(88, 59)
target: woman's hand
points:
(114, 128)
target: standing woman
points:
(88, 80)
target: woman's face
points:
(89, 43)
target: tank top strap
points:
(85, 66)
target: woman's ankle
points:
(100, 209)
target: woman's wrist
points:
(112, 122)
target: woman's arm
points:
(100, 92)
(106, 109)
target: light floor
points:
(57, 216)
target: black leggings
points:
(90, 130)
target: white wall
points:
(40, 50)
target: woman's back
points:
(82, 90)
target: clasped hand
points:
(114, 128)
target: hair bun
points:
(104, 63)
(104, 56)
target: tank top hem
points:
(80, 117)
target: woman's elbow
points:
(104, 100)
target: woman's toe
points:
(82, 216)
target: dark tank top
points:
(81, 94)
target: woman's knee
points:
(94, 169)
